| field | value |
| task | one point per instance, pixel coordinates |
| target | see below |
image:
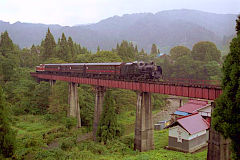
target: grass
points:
(35, 133)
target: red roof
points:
(193, 123)
(192, 106)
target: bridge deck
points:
(170, 87)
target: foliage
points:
(9, 59)
(41, 94)
(205, 51)
(49, 46)
(179, 51)
(106, 56)
(69, 122)
(226, 115)
(58, 101)
(238, 25)
(7, 134)
(108, 128)
(86, 104)
(154, 52)
(68, 143)
(126, 51)
(29, 57)
(181, 62)
(125, 100)
(158, 101)
(142, 56)
(63, 51)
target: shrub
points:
(69, 122)
(56, 153)
(68, 143)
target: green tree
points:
(49, 46)
(63, 49)
(7, 134)
(108, 128)
(212, 70)
(41, 94)
(206, 51)
(125, 100)
(58, 101)
(142, 56)
(105, 56)
(86, 104)
(126, 51)
(29, 57)
(226, 115)
(6, 44)
(72, 52)
(98, 49)
(238, 25)
(154, 52)
(9, 59)
(179, 51)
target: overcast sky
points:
(73, 12)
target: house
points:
(193, 106)
(188, 133)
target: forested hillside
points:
(35, 115)
(166, 29)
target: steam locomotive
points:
(135, 70)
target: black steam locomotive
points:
(135, 70)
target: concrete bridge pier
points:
(73, 102)
(100, 92)
(144, 140)
(52, 82)
(218, 146)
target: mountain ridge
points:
(165, 28)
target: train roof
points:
(89, 64)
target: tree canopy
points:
(7, 134)
(226, 115)
(8, 57)
(206, 51)
(126, 51)
(108, 126)
(49, 46)
(179, 51)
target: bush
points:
(128, 141)
(50, 154)
(95, 148)
(68, 143)
(69, 122)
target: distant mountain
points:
(165, 28)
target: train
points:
(133, 70)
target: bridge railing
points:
(182, 81)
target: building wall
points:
(205, 111)
(186, 145)
(180, 139)
(197, 134)
(178, 132)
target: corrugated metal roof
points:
(192, 106)
(193, 123)
(181, 113)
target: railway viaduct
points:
(143, 139)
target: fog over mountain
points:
(165, 28)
